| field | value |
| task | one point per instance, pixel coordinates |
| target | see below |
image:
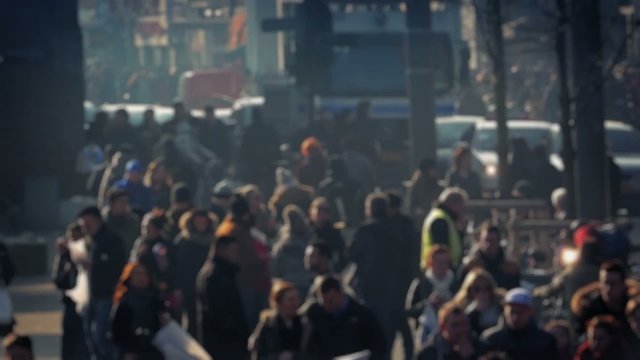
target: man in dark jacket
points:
(326, 231)
(222, 321)
(490, 255)
(181, 203)
(341, 325)
(517, 334)
(215, 135)
(345, 194)
(107, 259)
(119, 217)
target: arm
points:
(417, 299)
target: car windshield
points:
(623, 141)
(485, 138)
(449, 133)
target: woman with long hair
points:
(137, 311)
(159, 180)
(480, 297)
(281, 334)
(462, 175)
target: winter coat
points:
(126, 227)
(530, 343)
(438, 349)
(298, 195)
(331, 236)
(146, 251)
(469, 183)
(312, 170)
(107, 261)
(287, 260)
(419, 292)
(215, 137)
(616, 350)
(272, 337)
(353, 329)
(505, 272)
(221, 316)
(192, 251)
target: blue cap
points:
(134, 166)
(519, 296)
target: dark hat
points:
(90, 211)
(240, 206)
(180, 193)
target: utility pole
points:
(495, 16)
(565, 108)
(422, 128)
(592, 179)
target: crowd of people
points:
(311, 260)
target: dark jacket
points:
(135, 322)
(215, 137)
(221, 317)
(419, 293)
(143, 251)
(438, 349)
(352, 330)
(6, 265)
(506, 273)
(127, 227)
(470, 183)
(330, 235)
(340, 189)
(422, 192)
(107, 261)
(410, 244)
(191, 255)
(312, 170)
(617, 350)
(527, 344)
(272, 337)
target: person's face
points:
(489, 243)
(18, 353)
(599, 339)
(289, 304)
(140, 278)
(518, 316)
(332, 301)
(481, 291)
(313, 261)
(612, 286)
(134, 177)
(120, 206)
(562, 338)
(320, 213)
(456, 327)
(201, 224)
(441, 264)
(458, 207)
(151, 232)
(90, 224)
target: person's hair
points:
(123, 283)
(157, 220)
(279, 289)
(323, 249)
(447, 310)
(559, 197)
(14, 340)
(395, 199)
(330, 283)
(239, 206)
(564, 325)
(614, 266)
(308, 144)
(458, 154)
(490, 227)
(453, 194)
(379, 205)
(188, 218)
(116, 194)
(123, 113)
(605, 322)
(151, 168)
(92, 211)
(463, 296)
(249, 191)
(495, 355)
(436, 250)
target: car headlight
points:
(491, 170)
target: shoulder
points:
(584, 297)
(493, 335)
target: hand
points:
(464, 348)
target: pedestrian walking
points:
(445, 225)
(119, 217)
(461, 174)
(181, 203)
(221, 198)
(481, 299)
(289, 192)
(345, 194)
(604, 341)
(313, 166)
(326, 231)
(140, 196)
(423, 190)
(159, 180)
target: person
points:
(519, 162)
(345, 194)
(341, 325)
(73, 346)
(260, 148)
(360, 166)
(18, 347)
(445, 225)
(453, 341)
(565, 338)
(265, 221)
(94, 180)
(423, 189)
(119, 218)
(603, 341)
(181, 203)
(317, 259)
(221, 198)
(488, 253)
(559, 203)
(544, 176)
(222, 320)
(120, 131)
(159, 180)
(461, 175)
(192, 246)
(97, 131)
(480, 297)
(104, 265)
(287, 256)
(518, 335)
(608, 296)
(281, 333)
(253, 258)
(428, 292)
(312, 168)
(326, 231)
(140, 196)
(148, 134)
(137, 310)
(215, 136)
(180, 114)
(289, 192)
(381, 265)
(114, 172)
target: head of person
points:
(226, 248)
(317, 258)
(222, 194)
(429, 168)
(284, 299)
(241, 212)
(454, 199)
(157, 175)
(462, 158)
(377, 206)
(210, 112)
(121, 118)
(320, 211)
(134, 171)
(18, 347)
(179, 111)
(477, 286)
(519, 149)
(562, 331)
(439, 261)
(395, 202)
(149, 117)
(100, 120)
(91, 220)
(453, 323)
(633, 314)
(181, 199)
(559, 201)
(518, 309)
(489, 239)
(118, 202)
(331, 294)
(153, 225)
(612, 279)
(254, 196)
(295, 221)
(198, 221)
(601, 333)
(311, 147)
(134, 277)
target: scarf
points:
(441, 286)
